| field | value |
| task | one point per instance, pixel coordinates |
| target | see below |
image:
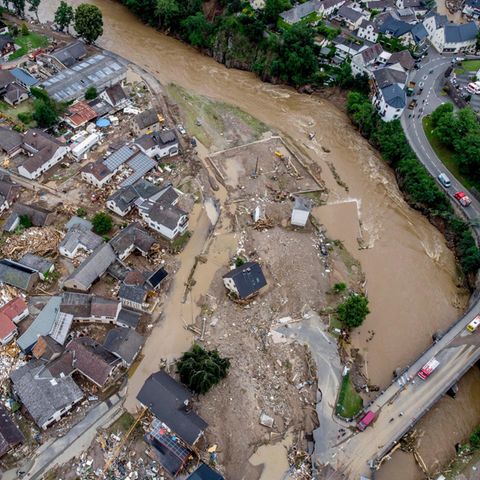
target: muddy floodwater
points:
(410, 273)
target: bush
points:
(81, 212)
(475, 438)
(353, 311)
(201, 369)
(24, 29)
(91, 93)
(102, 223)
(239, 261)
(25, 221)
(339, 287)
(25, 117)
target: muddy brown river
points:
(410, 273)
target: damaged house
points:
(38, 216)
(245, 280)
(90, 308)
(10, 435)
(9, 192)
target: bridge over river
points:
(407, 399)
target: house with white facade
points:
(455, 38)
(312, 11)
(44, 152)
(350, 17)
(301, 211)
(368, 31)
(363, 62)
(158, 144)
(389, 96)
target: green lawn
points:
(349, 402)
(27, 43)
(471, 65)
(446, 156)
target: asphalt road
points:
(427, 102)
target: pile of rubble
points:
(9, 361)
(40, 241)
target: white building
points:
(363, 62)
(301, 211)
(158, 144)
(453, 38)
(367, 31)
(389, 96)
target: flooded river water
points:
(410, 273)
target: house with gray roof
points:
(133, 237)
(17, 275)
(91, 269)
(368, 31)
(245, 280)
(40, 217)
(125, 199)
(125, 344)
(158, 144)
(10, 141)
(350, 17)
(78, 221)
(43, 324)
(9, 192)
(90, 308)
(455, 38)
(79, 239)
(115, 96)
(41, 265)
(70, 54)
(46, 398)
(389, 95)
(10, 435)
(364, 62)
(128, 318)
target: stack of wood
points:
(40, 241)
(263, 223)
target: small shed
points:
(301, 211)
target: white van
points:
(444, 180)
(473, 88)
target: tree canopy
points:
(102, 223)
(353, 311)
(201, 369)
(89, 22)
(64, 15)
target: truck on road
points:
(366, 420)
(463, 199)
(410, 88)
(428, 368)
(473, 325)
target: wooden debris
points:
(40, 241)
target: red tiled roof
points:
(6, 326)
(13, 308)
(80, 113)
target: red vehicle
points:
(463, 199)
(366, 420)
(33, 55)
(428, 368)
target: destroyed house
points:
(41, 265)
(245, 280)
(124, 343)
(40, 217)
(10, 435)
(91, 269)
(133, 237)
(171, 453)
(46, 348)
(45, 397)
(90, 359)
(17, 275)
(9, 192)
(168, 400)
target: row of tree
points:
(87, 19)
(460, 131)
(420, 189)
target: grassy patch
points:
(349, 402)
(471, 65)
(446, 155)
(27, 43)
(459, 71)
(178, 244)
(123, 423)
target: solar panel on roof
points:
(101, 74)
(108, 70)
(115, 66)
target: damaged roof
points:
(10, 435)
(125, 343)
(248, 278)
(132, 235)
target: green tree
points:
(201, 369)
(44, 113)
(475, 438)
(102, 223)
(25, 221)
(91, 93)
(89, 22)
(167, 12)
(197, 30)
(467, 154)
(353, 311)
(344, 76)
(24, 29)
(273, 8)
(340, 287)
(64, 15)
(81, 212)
(19, 6)
(34, 4)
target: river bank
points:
(404, 252)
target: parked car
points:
(181, 129)
(463, 199)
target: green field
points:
(446, 155)
(28, 43)
(471, 65)
(349, 402)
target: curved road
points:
(408, 398)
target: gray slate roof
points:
(165, 398)
(42, 325)
(349, 13)
(78, 221)
(41, 393)
(16, 275)
(394, 96)
(128, 318)
(125, 343)
(146, 118)
(78, 236)
(10, 435)
(35, 262)
(133, 293)
(389, 76)
(459, 33)
(71, 53)
(9, 139)
(133, 234)
(94, 266)
(248, 278)
(300, 11)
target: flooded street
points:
(410, 273)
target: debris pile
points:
(39, 241)
(300, 464)
(9, 361)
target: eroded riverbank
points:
(411, 275)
